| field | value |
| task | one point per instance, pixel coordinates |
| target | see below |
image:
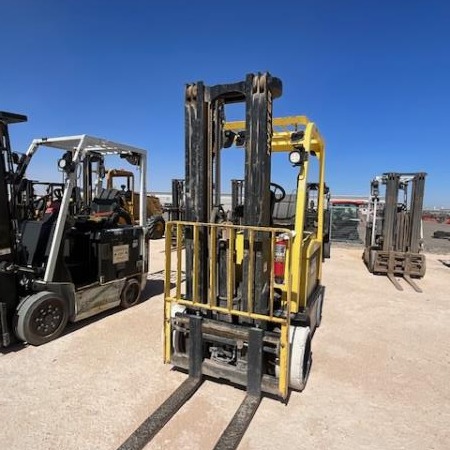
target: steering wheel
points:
(282, 193)
(58, 194)
(39, 204)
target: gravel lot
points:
(380, 376)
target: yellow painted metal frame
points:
(305, 244)
(209, 304)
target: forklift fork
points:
(232, 435)
(156, 421)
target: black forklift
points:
(68, 250)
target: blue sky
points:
(374, 76)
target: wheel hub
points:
(46, 319)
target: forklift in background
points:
(69, 251)
(394, 238)
(176, 209)
(252, 296)
(155, 222)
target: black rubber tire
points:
(441, 234)
(326, 250)
(41, 317)
(130, 294)
(319, 310)
(156, 227)
(121, 213)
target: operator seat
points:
(106, 202)
(283, 214)
(110, 204)
(36, 235)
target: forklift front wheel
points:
(130, 293)
(41, 317)
(301, 357)
(179, 339)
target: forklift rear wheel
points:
(327, 250)
(130, 293)
(41, 317)
(301, 359)
(319, 310)
(372, 256)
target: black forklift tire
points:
(131, 293)
(156, 227)
(319, 310)
(371, 262)
(441, 234)
(41, 317)
(121, 214)
(326, 250)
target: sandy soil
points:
(379, 378)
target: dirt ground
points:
(380, 375)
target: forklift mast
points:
(205, 138)
(8, 225)
(401, 232)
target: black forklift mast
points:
(8, 226)
(205, 138)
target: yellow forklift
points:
(155, 221)
(248, 294)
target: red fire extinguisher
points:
(279, 259)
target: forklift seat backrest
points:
(36, 235)
(284, 211)
(107, 201)
(108, 194)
